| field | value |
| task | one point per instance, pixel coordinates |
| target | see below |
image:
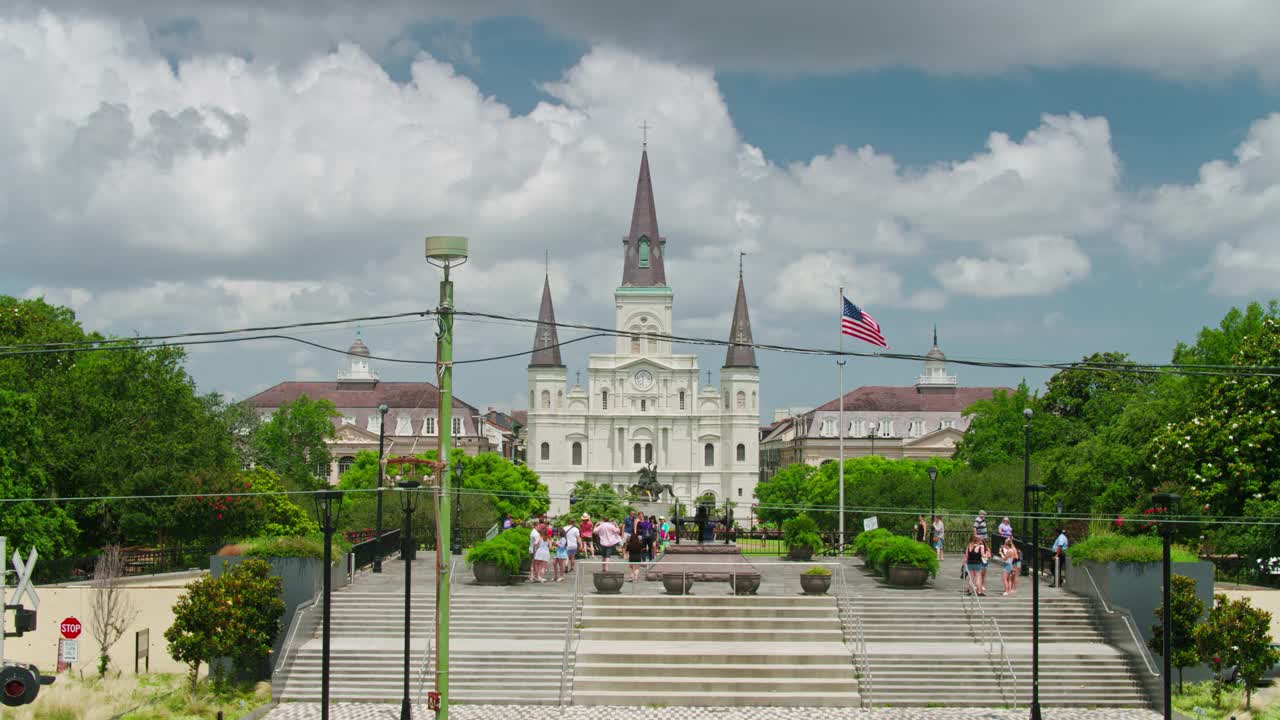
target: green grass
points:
(1200, 695)
(1110, 547)
(144, 697)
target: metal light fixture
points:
(328, 512)
(1168, 501)
(408, 492)
(1034, 492)
(933, 491)
(377, 542)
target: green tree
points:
(1237, 635)
(194, 637)
(1218, 346)
(1223, 454)
(597, 501)
(1185, 609)
(280, 515)
(785, 495)
(995, 433)
(295, 441)
(29, 522)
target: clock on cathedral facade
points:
(643, 404)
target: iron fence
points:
(137, 561)
(365, 550)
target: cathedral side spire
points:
(740, 354)
(644, 247)
(546, 343)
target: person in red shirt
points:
(586, 532)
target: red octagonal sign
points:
(70, 628)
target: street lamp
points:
(1033, 491)
(328, 511)
(456, 548)
(1168, 501)
(444, 252)
(382, 434)
(871, 435)
(1026, 475)
(933, 491)
(407, 489)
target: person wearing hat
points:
(586, 540)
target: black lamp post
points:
(328, 511)
(1033, 492)
(1026, 476)
(933, 491)
(1167, 501)
(456, 541)
(377, 542)
(871, 435)
(408, 491)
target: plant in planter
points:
(865, 538)
(494, 561)
(903, 561)
(800, 535)
(816, 580)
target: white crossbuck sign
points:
(23, 571)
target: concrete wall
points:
(1136, 587)
(153, 597)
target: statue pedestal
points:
(685, 558)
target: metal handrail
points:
(287, 648)
(1004, 655)
(845, 611)
(431, 643)
(1124, 616)
(569, 634)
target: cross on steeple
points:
(546, 261)
(708, 377)
(740, 256)
(644, 134)
(577, 378)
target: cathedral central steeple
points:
(644, 247)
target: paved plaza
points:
(311, 711)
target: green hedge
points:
(1110, 547)
(864, 538)
(508, 550)
(306, 546)
(887, 550)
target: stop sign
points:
(70, 628)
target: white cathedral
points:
(643, 404)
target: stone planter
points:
(800, 553)
(908, 576)
(607, 582)
(677, 584)
(523, 574)
(815, 584)
(745, 584)
(488, 573)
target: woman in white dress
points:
(542, 554)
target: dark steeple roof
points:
(546, 344)
(643, 267)
(740, 353)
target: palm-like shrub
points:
(801, 531)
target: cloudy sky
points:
(1039, 180)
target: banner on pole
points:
(870, 523)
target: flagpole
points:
(840, 422)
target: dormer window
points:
(644, 252)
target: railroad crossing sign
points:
(23, 571)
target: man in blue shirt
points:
(1060, 558)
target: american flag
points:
(857, 323)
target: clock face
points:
(643, 380)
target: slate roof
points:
(881, 398)
(644, 223)
(396, 395)
(742, 356)
(546, 341)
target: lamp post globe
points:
(377, 533)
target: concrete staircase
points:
(506, 647)
(924, 650)
(719, 650)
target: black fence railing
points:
(137, 561)
(367, 549)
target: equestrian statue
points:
(649, 486)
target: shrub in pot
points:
(865, 538)
(903, 561)
(800, 535)
(816, 580)
(494, 561)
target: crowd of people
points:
(978, 552)
(641, 538)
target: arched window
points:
(753, 399)
(546, 399)
(635, 344)
(681, 399)
(544, 451)
(648, 452)
(635, 453)
(644, 405)
(644, 252)
(577, 453)
(742, 452)
(559, 398)
(709, 455)
(741, 399)
(604, 399)
(726, 399)
(344, 464)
